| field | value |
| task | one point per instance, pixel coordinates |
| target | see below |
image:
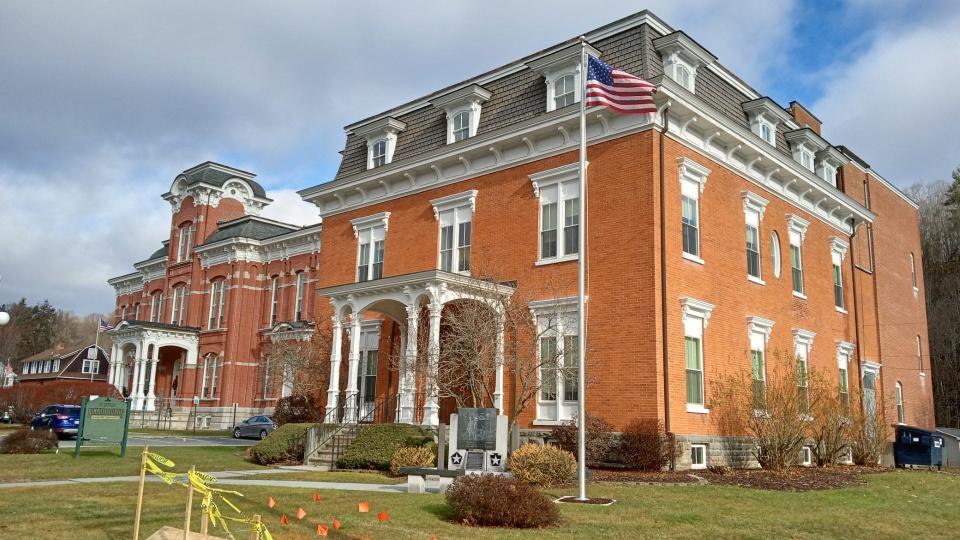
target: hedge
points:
(285, 444)
(375, 446)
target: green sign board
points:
(103, 420)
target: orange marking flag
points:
(382, 516)
(316, 497)
(283, 519)
(301, 513)
(336, 524)
(270, 502)
(322, 530)
(363, 507)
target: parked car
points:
(63, 420)
(255, 426)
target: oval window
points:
(775, 253)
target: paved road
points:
(165, 440)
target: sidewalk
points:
(232, 478)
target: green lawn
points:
(103, 462)
(892, 505)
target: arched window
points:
(179, 304)
(211, 375)
(683, 77)
(900, 404)
(156, 306)
(913, 270)
(461, 126)
(775, 253)
(185, 242)
(218, 300)
(379, 153)
(919, 355)
(274, 299)
(301, 289)
(564, 92)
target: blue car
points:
(63, 420)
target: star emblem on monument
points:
(456, 458)
(495, 460)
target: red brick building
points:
(483, 174)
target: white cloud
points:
(896, 105)
(288, 207)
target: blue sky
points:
(102, 104)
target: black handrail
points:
(381, 412)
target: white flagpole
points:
(581, 271)
(96, 347)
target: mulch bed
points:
(795, 479)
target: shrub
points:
(645, 446)
(25, 441)
(375, 446)
(296, 409)
(543, 465)
(869, 434)
(600, 442)
(285, 444)
(498, 501)
(413, 456)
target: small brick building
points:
(483, 174)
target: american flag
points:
(104, 326)
(617, 89)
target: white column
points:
(408, 384)
(353, 367)
(431, 408)
(136, 393)
(151, 397)
(333, 393)
(498, 389)
(112, 370)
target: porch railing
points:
(331, 437)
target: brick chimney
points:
(804, 117)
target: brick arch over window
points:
(184, 241)
(217, 303)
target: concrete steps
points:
(325, 458)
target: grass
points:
(891, 505)
(103, 462)
(355, 477)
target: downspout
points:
(663, 281)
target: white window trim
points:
(385, 129)
(549, 178)
(916, 340)
(678, 50)
(898, 398)
(692, 172)
(697, 311)
(705, 456)
(217, 304)
(468, 99)
(299, 299)
(806, 456)
(764, 111)
(838, 252)
(563, 311)
(458, 203)
(755, 204)
(798, 226)
(178, 309)
(369, 224)
(274, 299)
(553, 66)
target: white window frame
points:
(460, 130)
(218, 300)
(212, 364)
(573, 92)
(369, 231)
(90, 366)
(798, 231)
(469, 100)
(693, 180)
(381, 130)
(844, 355)
(838, 251)
(185, 242)
(456, 211)
(178, 309)
(767, 131)
(919, 355)
(696, 315)
(913, 273)
(703, 455)
(378, 153)
(274, 299)
(557, 186)
(156, 306)
(267, 375)
(803, 348)
(775, 259)
(806, 456)
(678, 53)
(901, 411)
(301, 288)
(758, 333)
(556, 319)
(123, 313)
(753, 210)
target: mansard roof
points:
(162, 252)
(253, 227)
(217, 174)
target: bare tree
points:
(829, 426)
(299, 364)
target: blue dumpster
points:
(916, 446)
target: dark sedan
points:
(61, 419)
(255, 426)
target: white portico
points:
(136, 347)
(403, 299)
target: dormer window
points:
(564, 91)
(561, 74)
(379, 153)
(806, 158)
(381, 136)
(682, 57)
(463, 107)
(764, 115)
(461, 126)
(828, 161)
(809, 149)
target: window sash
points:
(571, 226)
(690, 224)
(363, 266)
(753, 251)
(379, 153)
(301, 283)
(570, 368)
(548, 371)
(446, 248)
(548, 230)
(464, 232)
(837, 287)
(694, 361)
(796, 268)
(378, 259)
(274, 300)
(564, 92)
(461, 126)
